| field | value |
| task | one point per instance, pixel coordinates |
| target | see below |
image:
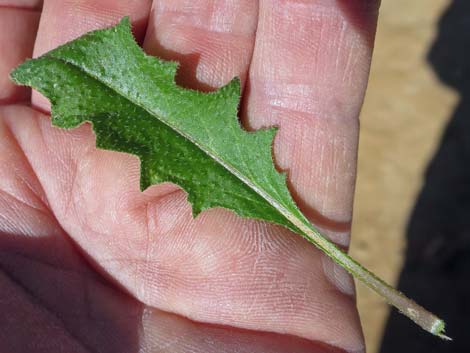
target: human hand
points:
(89, 263)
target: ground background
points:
(406, 110)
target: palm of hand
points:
(89, 263)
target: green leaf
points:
(190, 138)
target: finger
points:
(308, 76)
(62, 21)
(212, 40)
(18, 26)
(167, 332)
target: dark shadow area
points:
(53, 301)
(437, 268)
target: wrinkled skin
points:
(88, 263)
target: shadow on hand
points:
(437, 268)
(52, 300)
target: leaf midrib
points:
(298, 223)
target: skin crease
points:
(88, 263)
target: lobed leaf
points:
(190, 138)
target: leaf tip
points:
(16, 75)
